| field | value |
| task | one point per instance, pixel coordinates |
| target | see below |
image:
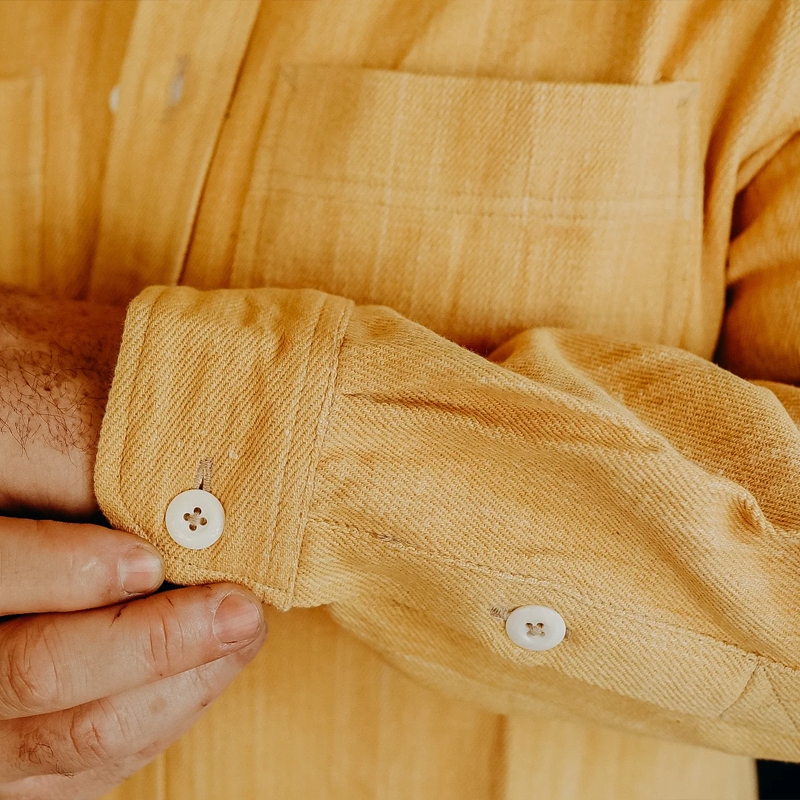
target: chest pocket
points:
(480, 207)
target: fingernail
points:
(141, 570)
(237, 619)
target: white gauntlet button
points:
(535, 627)
(195, 519)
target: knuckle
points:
(35, 749)
(94, 736)
(30, 677)
(166, 640)
(205, 688)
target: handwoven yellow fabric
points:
(471, 305)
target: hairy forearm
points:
(56, 364)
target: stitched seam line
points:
(780, 702)
(273, 594)
(322, 429)
(377, 202)
(547, 201)
(438, 668)
(741, 694)
(281, 477)
(431, 665)
(127, 405)
(521, 578)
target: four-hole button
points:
(195, 519)
(535, 627)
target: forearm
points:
(56, 364)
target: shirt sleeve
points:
(647, 495)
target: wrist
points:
(57, 361)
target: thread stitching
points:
(521, 578)
(322, 428)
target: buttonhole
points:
(204, 475)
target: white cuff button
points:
(535, 627)
(195, 519)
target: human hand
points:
(87, 697)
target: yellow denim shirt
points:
(470, 306)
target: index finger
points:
(65, 566)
